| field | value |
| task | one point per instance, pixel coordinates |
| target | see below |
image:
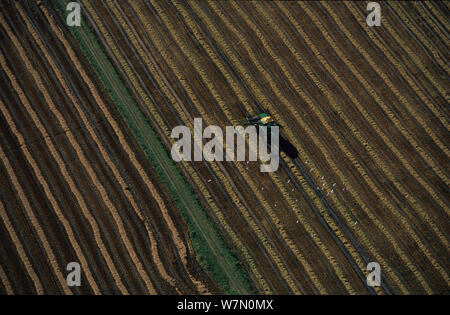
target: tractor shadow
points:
(287, 147)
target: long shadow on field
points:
(288, 148)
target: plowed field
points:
(86, 118)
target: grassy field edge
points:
(198, 223)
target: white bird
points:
(209, 181)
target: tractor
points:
(262, 119)
(265, 119)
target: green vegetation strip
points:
(209, 247)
